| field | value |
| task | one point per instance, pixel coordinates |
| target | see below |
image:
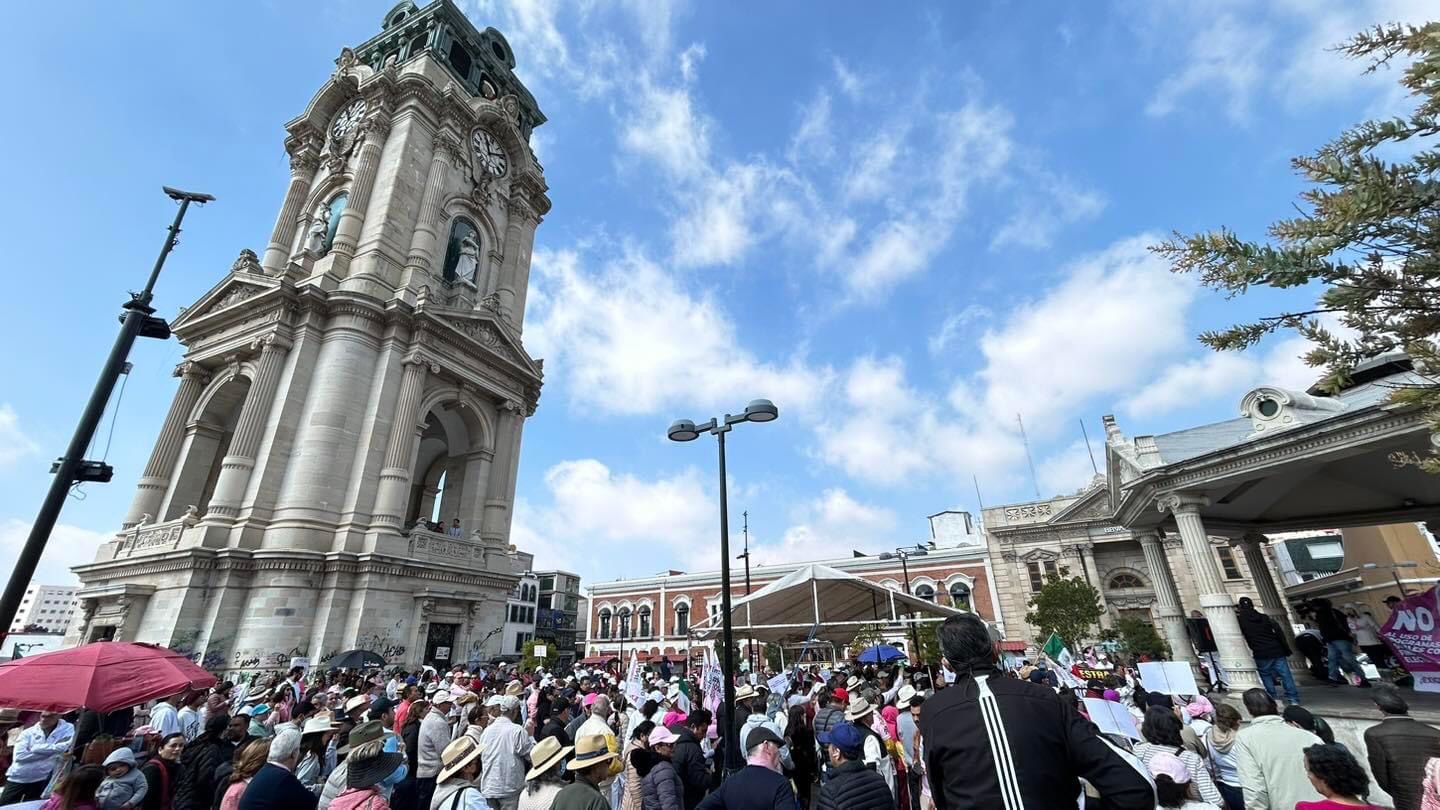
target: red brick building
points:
(656, 612)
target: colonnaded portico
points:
(362, 381)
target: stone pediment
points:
(232, 296)
(1094, 505)
(492, 335)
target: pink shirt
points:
(231, 799)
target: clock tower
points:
(337, 469)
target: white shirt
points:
(36, 751)
(189, 720)
(502, 746)
(164, 719)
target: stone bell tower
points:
(361, 380)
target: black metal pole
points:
(914, 633)
(137, 312)
(746, 555)
(733, 760)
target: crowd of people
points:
(964, 734)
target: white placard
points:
(825, 676)
(540, 651)
(1168, 677)
(300, 662)
(779, 684)
(1112, 718)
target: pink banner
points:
(1413, 636)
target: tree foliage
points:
(528, 661)
(1366, 234)
(870, 635)
(1139, 637)
(1069, 606)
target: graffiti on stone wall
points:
(386, 644)
(269, 659)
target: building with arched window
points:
(337, 468)
(663, 608)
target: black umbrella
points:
(356, 659)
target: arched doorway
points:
(207, 440)
(452, 469)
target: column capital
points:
(270, 343)
(190, 368)
(1147, 536)
(1181, 503)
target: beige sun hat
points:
(590, 751)
(456, 756)
(547, 754)
(859, 707)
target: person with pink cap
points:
(1174, 787)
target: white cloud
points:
(628, 339)
(1068, 470)
(849, 81)
(14, 443)
(955, 322)
(1102, 329)
(1217, 375)
(813, 139)
(68, 546)
(690, 60)
(665, 127)
(594, 511)
(1223, 57)
(1049, 203)
(873, 164)
(827, 527)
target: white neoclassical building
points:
(1180, 525)
(358, 380)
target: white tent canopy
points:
(820, 603)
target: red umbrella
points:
(103, 675)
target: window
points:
(519, 642)
(1227, 562)
(960, 596)
(644, 614)
(682, 618)
(460, 59)
(624, 616)
(925, 592)
(604, 624)
(1126, 580)
(547, 584)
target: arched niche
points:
(207, 440)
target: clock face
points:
(349, 118)
(489, 154)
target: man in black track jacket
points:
(998, 743)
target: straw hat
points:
(745, 692)
(548, 753)
(456, 756)
(858, 708)
(591, 751)
(513, 689)
(362, 773)
(317, 725)
(907, 696)
(853, 682)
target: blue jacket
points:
(275, 788)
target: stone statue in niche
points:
(469, 260)
(319, 229)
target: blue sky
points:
(905, 228)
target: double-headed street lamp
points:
(684, 430)
(903, 554)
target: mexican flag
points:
(1055, 649)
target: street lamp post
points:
(138, 321)
(745, 532)
(904, 554)
(1394, 574)
(685, 430)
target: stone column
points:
(1086, 552)
(1274, 604)
(478, 468)
(1172, 618)
(405, 427)
(249, 429)
(304, 160)
(156, 479)
(347, 233)
(519, 238)
(497, 491)
(421, 258)
(1215, 601)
